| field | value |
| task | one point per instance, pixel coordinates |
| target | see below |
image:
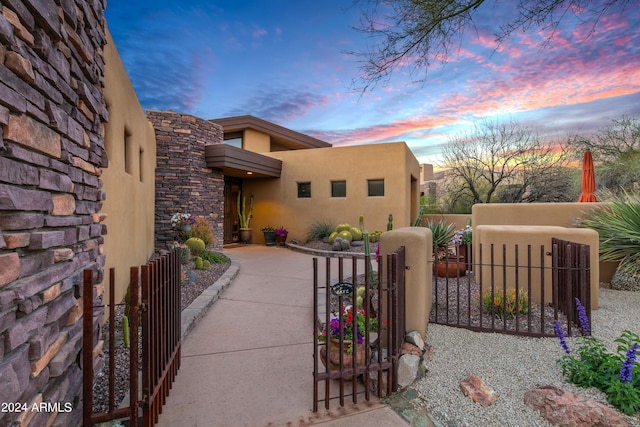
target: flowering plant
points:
(281, 231)
(617, 375)
(350, 327)
(463, 236)
(179, 219)
(267, 229)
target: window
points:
(304, 190)
(234, 139)
(338, 188)
(376, 187)
(128, 152)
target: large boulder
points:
(564, 408)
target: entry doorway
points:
(231, 226)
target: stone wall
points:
(51, 153)
(183, 181)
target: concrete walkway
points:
(249, 360)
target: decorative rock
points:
(408, 348)
(565, 408)
(407, 369)
(478, 391)
(415, 338)
(624, 281)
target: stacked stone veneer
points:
(51, 150)
(183, 181)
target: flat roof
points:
(286, 137)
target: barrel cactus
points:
(345, 244)
(346, 235)
(343, 227)
(356, 233)
(206, 264)
(333, 236)
(198, 263)
(337, 244)
(195, 245)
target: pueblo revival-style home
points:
(164, 162)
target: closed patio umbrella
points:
(588, 179)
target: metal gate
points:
(367, 363)
(496, 294)
(155, 303)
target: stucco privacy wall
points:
(277, 202)
(558, 214)
(130, 178)
(51, 151)
(183, 181)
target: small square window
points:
(304, 190)
(338, 188)
(376, 187)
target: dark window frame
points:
(338, 192)
(371, 187)
(304, 190)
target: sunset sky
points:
(287, 62)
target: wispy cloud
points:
(280, 105)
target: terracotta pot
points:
(450, 268)
(347, 359)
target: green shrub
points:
(198, 263)
(618, 225)
(319, 230)
(185, 254)
(500, 306)
(195, 245)
(213, 257)
(202, 229)
(591, 365)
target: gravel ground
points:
(193, 284)
(511, 365)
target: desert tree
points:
(504, 161)
(616, 153)
(416, 33)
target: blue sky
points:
(286, 62)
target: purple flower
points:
(582, 317)
(627, 367)
(560, 335)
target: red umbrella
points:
(588, 179)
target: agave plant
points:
(618, 224)
(442, 233)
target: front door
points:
(231, 188)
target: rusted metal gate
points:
(376, 357)
(497, 296)
(155, 303)
(572, 279)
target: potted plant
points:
(182, 221)
(462, 239)
(353, 327)
(244, 217)
(446, 263)
(281, 235)
(269, 235)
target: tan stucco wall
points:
(130, 196)
(418, 275)
(256, 142)
(459, 221)
(536, 236)
(277, 202)
(560, 214)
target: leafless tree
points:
(504, 161)
(616, 153)
(415, 32)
